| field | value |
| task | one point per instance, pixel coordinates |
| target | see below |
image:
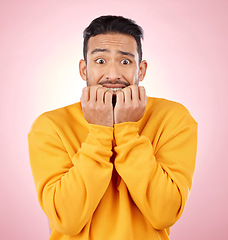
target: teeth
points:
(115, 89)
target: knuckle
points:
(98, 87)
(125, 89)
(93, 88)
(109, 92)
(137, 105)
(96, 108)
(120, 92)
(127, 108)
(90, 105)
(99, 91)
(84, 90)
(129, 89)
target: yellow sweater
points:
(129, 182)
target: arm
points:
(69, 190)
(159, 182)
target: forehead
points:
(113, 41)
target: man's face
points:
(112, 61)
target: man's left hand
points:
(130, 104)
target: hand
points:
(130, 104)
(96, 104)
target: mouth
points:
(114, 86)
(115, 89)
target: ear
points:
(82, 69)
(142, 70)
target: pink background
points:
(186, 46)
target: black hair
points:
(113, 24)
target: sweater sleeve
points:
(158, 182)
(69, 190)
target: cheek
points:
(93, 75)
(131, 76)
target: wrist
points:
(100, 135)
(125, 132)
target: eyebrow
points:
(106, 50)
(99, 50)
(126, 53)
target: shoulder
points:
(168, 111)
(163, 105)
(164, 119)
(57, 117)
(64, 113)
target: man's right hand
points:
(97, 106)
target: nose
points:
(112, 72)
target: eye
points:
(100, 61)
(125, 61)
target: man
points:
(117, 165)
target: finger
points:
(101, 94)
(93, 93)
(119, 97)
(135, 93)
(127, 94)
(108, 97)
(85, 95)
(142, 94)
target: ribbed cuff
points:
(100, 136)
(125, 132)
